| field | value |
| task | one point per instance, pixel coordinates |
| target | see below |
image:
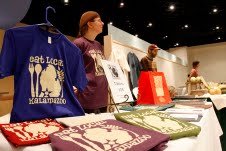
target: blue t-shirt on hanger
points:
(45, 67)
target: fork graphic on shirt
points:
(37, 69)
(31, 70)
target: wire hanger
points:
(48, 25)
(47, 21)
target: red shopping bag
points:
(152, 88)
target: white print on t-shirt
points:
(159, 122)
(97, 55)
(47, 78)
(32, 131)
(102, 138)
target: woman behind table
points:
(94, 99)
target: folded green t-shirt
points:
(160, 122)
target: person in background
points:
(194, 70)
(188, 77)
(172, 91)
(94, 99)
(147, 62)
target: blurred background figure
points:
(147, 62)
(194, 70)
(172, 91)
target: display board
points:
(117, 82)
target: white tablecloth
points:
(219, 101)
(207, 140)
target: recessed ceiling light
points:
(136, 35)
(165, 37)
(171, 7)
(169, 20)
(215, 10)
(150, 24)
(121, 5)
(176, 44)
(66, 2)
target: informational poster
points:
(119, 87)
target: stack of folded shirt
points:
(30, 132)
(160, 122)
(88, 118)
(108, 135)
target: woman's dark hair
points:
(195, 64)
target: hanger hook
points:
(47, 8)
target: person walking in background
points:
(94, 99)
(194, 70)
(147, 62)
(173, 91)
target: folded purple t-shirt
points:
(108, 135)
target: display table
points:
(207, 140)
(219, 101)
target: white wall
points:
(212, 59)
(180, 52)
(175, 74)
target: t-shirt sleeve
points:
(78, 73)
(7, 56)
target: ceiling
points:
(168, 26)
